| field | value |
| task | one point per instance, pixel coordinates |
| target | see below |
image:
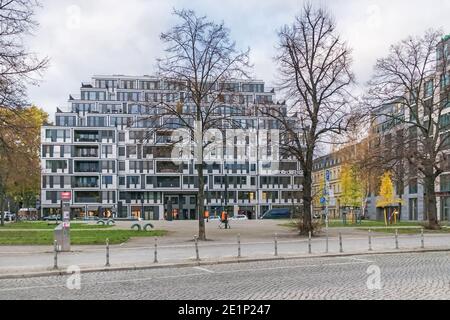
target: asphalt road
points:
(402, 276)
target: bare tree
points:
(314, 64)
(410, 88)
(18, 68)
(202, 62)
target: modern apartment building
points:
(105, 150)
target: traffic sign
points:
(323, 200)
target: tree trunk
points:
(2, 212)
(306, 225)
(400, 204)
(201, 203)
(430, 200)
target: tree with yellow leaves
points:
(352, 190)
(386, 194)
(19, 154)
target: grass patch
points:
(81, 237)
(370, 223)
(44, 225)
(364, 223)
(407, 230)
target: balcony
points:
(85, 182)
(86, 136)
(86, 152)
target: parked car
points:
(249, 214)
(214, 218)
(239, 217)
(52, 217)
(9, 216)
(279, 213)
(28, 214)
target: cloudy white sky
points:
(87, 37)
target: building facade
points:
(392, 134)
(106, 151)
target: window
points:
(55, 165)
(96, 121)
(107, 179)
(131, 151)
(86, 166)
(57, 134)
(429, 89)
(87, 196)
(444, 182)
(65, 121)
(107, 150)
(47, 151)
(133, 180)
(108, 166)
(412, 186)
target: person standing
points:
(344, 217)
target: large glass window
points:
(85, 182)
(168, 182)
(96, 121)
(66, 121)
(87, 196)
(54, 165)
(86, 166)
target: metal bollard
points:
(309, 242)
(370, 240)
(107, 253)
(276, 245)
(55, 258)
(155, 260)
(422, 240)
(196, 249)
(396, 238)
(239, 244)
(340, 243)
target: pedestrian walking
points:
(344, 217)
(224, 218)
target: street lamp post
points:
(226, 194)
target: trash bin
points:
(62, 236)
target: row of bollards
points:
(239, 253)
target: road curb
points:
(61, 272)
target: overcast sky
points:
(87, 37)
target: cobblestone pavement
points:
(403, 276)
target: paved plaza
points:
(256, 242)
(402, 276)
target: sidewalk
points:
(178, 248)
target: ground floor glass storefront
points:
(445, 209)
